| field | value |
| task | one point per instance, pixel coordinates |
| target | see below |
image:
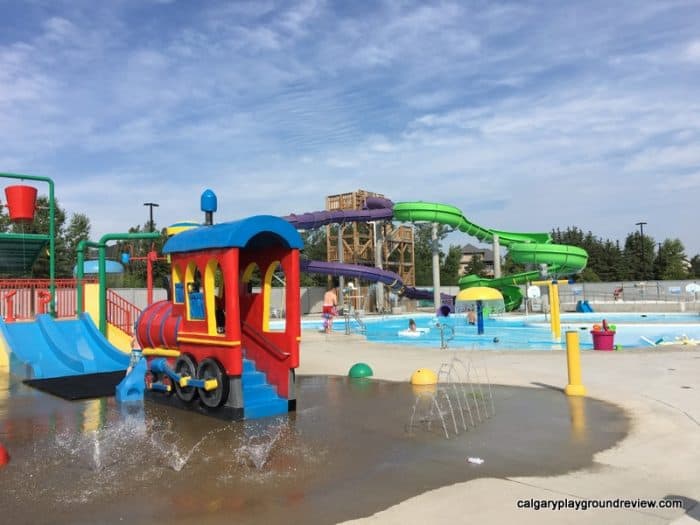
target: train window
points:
(274, 290)
(178, 287)
(251, 279)
(215, 304)
(195, 297)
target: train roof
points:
(259, 231)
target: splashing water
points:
(258, 450)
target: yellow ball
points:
(424, 376)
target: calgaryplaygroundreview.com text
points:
(586, 504)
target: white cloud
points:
(692, 51)
(526, 118)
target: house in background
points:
(469, 252)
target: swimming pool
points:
(532, 332)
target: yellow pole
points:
(554, 307)
(573, 363)
(577, 411)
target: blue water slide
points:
(28, 345)
(47, 348)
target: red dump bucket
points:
(21, 201)
(603, 340)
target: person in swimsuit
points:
(330, 303)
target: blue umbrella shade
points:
(91, 267)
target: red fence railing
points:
(30, 297)
(121, 313)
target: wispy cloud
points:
(525, 115)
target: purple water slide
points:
(391, 279)
(377, 209)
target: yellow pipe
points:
(211, 384)
(573, 363)
(160, 352)
(554, 309)
(554, 305)
(209, 342)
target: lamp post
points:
(150, 205)
(641, 243)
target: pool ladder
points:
(447, 333)
(354, 315)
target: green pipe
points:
(102, 267)
(52, 233)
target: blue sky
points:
(527, 116)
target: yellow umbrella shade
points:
(492, 299)
(476, 293)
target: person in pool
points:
(471, 316)
(411, 325)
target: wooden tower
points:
(359, 240)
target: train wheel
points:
(211, 369)
(185, 366)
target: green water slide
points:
(524, 248)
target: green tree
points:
(449, 271)
(475, 266)
(639, 256)
(423, 252)
(78, 230)
(670, 261)
(695, 266)
(315, 250)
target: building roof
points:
(470, 249)
(259, 231)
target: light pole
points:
(641, 243)
(151, 205)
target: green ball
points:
(359, 370)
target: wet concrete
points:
(348, 452)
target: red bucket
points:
(21, 202)
(603, 340)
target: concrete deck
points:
(659, 388)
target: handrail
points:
(264, 342)
(123, 307)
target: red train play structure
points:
(211, 348)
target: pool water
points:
(532, 332)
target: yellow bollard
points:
(573, 362)
(554, 308)
(577, 410)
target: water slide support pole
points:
(341, 279)
(496, 257)
(436, 265)
(378, 251)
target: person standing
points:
(330, 310)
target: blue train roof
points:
(259, 231)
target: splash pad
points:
(348, 451)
